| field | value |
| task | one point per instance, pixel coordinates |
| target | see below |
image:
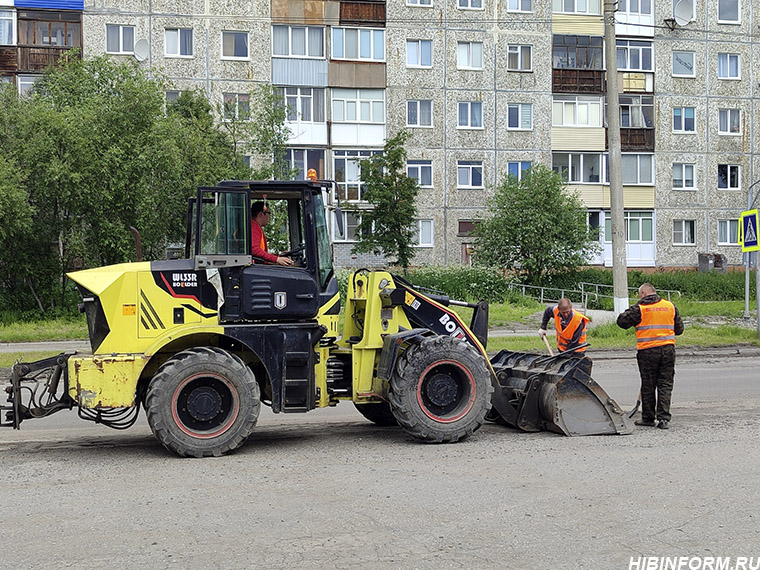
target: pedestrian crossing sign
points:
(748, 229)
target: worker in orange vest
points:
(657, 324)
(570, 326)
(260, 217)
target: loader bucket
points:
(556, 393)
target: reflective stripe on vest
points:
(565, 336)
(656, 326)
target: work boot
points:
(648, 423)
(664, 424)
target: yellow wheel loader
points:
(200, 343)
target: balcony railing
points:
(578, 81)
(357, 12)
(36, 58)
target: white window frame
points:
(122, 28)
(729, 169)
(471, 4)
(418, 238)
(375, 35)
(683, 129)
(419, 64)
(519, 165)
(728, 115)
(727, 72)
(417, 168)
(633, 219)
(25, 81)
(589, 7)
(680, 229)
(358, 103)
(420, 3)
(579, 106)
(468, 54)
(353, 158)
(579, 171)
(738, 13)
(303, 96)
(631, 47)
(418, 103)
(635, 106)
(235, 33)
(355, 220)
(684, 167)
(624, 7)
(237, 107)
(9, 14)
(306, 38)
(469, 106)
(179, 32)
(520, 6)
(172, 95)
(728, 232)
(518, 51)
(640, 160)
(693, 64)
(468, 166)
(522, 109)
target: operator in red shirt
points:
(260, 216)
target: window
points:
(683, 119)
(304, 159)
(358, 105)
(728, 66)
(637, 168)
(638, 227)
(7, 27)
(235, 45)
(25, 83)
(470, 174)
(350, 227)
(520, 5)
(49, 33)
(520, 116)
(236, 106)
(363, 44)
(578, 168)
(517, 169)
(419, 53)
(466, 228)
(577, 6)
(470, 115)
(179, 42)
(421, 171)
(728, 232)
(172, 96)
(519, 58)
(470, 4)
(424, 233)
(577, 52)
(683, 63)
(576, 111)
(634, 55)
(419, 2)
(683, 232)
(298, 41)
(643, 7)
(728, 11)
(729, 176)
(636, 111)
(419, 113)
(683, 176)
(729, 121)
(470, 55)
(119, 39)
(304, 104)
(348, 173)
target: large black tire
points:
(379, 413)
(203, 402)
(441, 390)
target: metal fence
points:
(586, 293)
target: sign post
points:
(748, 225)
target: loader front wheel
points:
(441, 390)
(203, 402)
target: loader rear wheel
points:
(202, 402)
(441, 390)
(379, 413)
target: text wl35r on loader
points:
(201, 342)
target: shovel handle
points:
(548, 346)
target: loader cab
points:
(219, 237)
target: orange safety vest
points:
(565, 336)
(657, 325)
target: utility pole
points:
(619, 261)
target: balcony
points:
(37, 58)
(578, 81)
(636, 140)
(362, 13)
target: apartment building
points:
(487, 88)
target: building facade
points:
(486, 87)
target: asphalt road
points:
(329, 490)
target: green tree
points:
(534, 226)
(388, 228)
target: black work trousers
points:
(657, 366)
